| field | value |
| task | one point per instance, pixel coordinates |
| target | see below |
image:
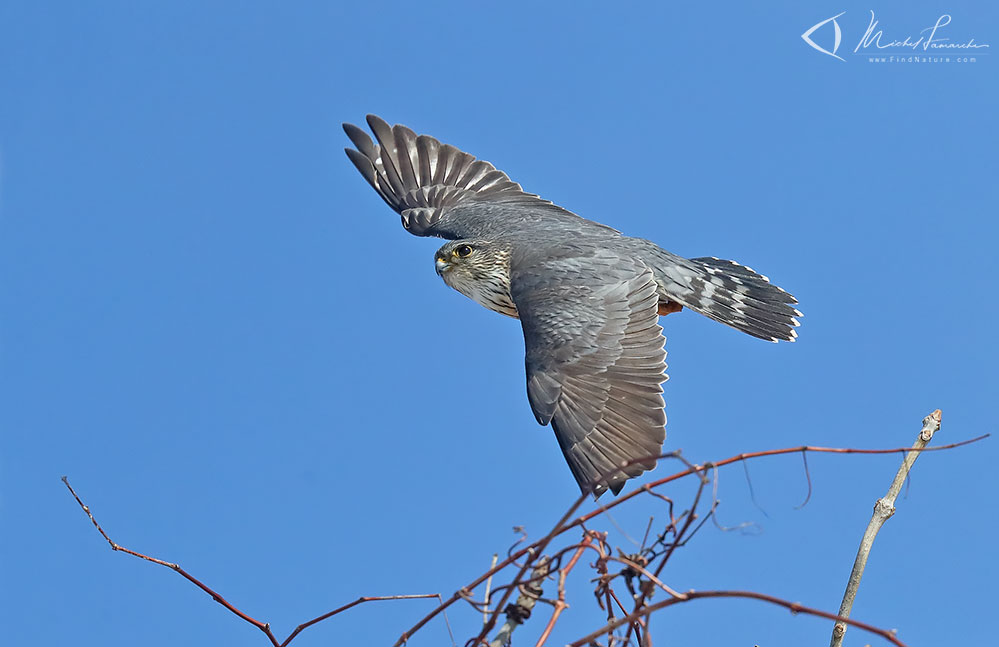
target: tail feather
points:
(737, 296)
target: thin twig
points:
(645, 537)
(638, 568)
(624, 533)
(564, 525)
(638, 619)
(349, 605)
(713, 513)
(808, 477)
(533, 551)
(743, 457)
(262, 626)
(884, 508)
(560, 603)
(752, 493)
(643, 594)
(794, 607)
(489, 584)
(604, 587)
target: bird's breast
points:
(489, 290)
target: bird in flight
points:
(588, 297)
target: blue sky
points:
(216, 329)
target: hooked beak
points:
(442, 266)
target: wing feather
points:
(422, 179)
(405, 152)
(595, 363)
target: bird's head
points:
(480, 270)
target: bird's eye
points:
(463, 250)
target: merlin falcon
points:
(588, 297)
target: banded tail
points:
(734, 295)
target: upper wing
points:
(422, 178)
(595, 363)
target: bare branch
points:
(744, 457)
(884, 508)
(794, 607)
(489, 584)
(638, 568)
(533, 551)
(808, 477)
(560, 603)
(564, 524)
(752, 493)
(525, 560)
(262, 626)
(361, 600)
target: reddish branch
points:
(533, 552)
(604, 593)
(560, 604)
(679, 528)
(746, 456)
(262, 626)
(794, 607)
(535, 549)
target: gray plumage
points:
(587, 296)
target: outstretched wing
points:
(422, 179)
(595, 363)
